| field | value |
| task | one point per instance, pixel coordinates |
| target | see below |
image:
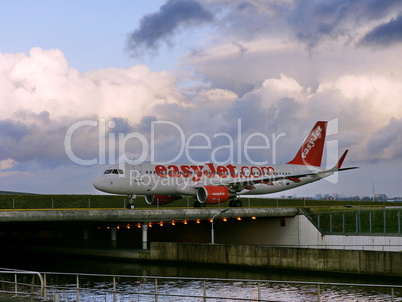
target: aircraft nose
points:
(98, 183)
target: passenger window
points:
(108, 171)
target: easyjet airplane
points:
(211, 183)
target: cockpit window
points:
(114, 171)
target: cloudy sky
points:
(78, 77)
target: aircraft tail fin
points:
(310, 153)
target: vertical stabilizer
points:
(310, 153)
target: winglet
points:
(310, 153)
(341, 159)
(338, 165)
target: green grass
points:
(38, 202)
(27, 201)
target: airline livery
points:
(212, 183)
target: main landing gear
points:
(198, 204)
(235, 203)
(131, 205)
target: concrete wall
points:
(300, 232)
(344, 261)
(311, 237)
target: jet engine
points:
(213, 194)
(161, 199)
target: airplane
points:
(212, 183)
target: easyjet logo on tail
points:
(310, 153)
(315, 134)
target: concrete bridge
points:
(129, 228)
(142, 216)
(272, 237)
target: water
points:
(142, 288)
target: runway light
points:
(239, 218)
(139, 225)
(150, 224)
(161, 223)
(210, 220)
(173, 223)
(225, 219)
(118, 227)
(185, 222)
(198, 221)
(108, 228)
(128, 226)
(254, 218)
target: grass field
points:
(27, 201)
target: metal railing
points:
(358, 222)
(17, 283)
(52, 286)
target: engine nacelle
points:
(161, 199)
(213, 194)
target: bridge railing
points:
(53, 286)
(358, 221)
(20, 283)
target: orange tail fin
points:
(310, 153)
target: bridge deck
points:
(138, 215)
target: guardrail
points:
(17, 284)
(358, 221)
(99, 287)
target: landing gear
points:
(235, 203)
(131, 205)
(198, 204)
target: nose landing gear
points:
(131, 202)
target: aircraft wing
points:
(239, 184)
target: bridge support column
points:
(85, 234)
(144, 236)
(113, 236)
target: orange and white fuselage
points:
(214, 183)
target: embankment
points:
(325, 260)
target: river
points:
(272, 291)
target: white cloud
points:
(380, 93)
(7, 163)
(14, 174)
(43, 81)
(46, 96)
